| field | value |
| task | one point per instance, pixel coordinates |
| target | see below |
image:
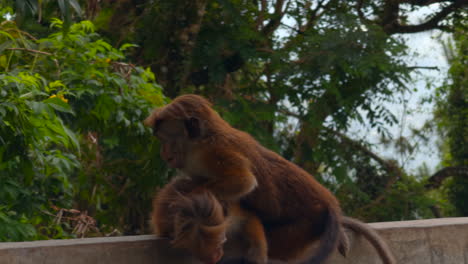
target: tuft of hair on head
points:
(182, 107)
(199, 216)
(192, 101)
(185, 107)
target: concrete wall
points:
(443, 241)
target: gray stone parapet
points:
(434, 241)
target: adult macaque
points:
(293, 207)
(195, 220)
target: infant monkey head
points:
(199, 225)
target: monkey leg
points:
(291, 241)
(257, 251)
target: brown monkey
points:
(195, 220)
(294, 208)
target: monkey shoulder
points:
(218, 158)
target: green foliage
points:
(295, 76)
(452, 113)
(407, 200)
(71, 112)
(30, 11)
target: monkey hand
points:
(253, 256)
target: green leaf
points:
(127, 46)
(76, 6)
(56, 84)
(59, 105)
(72, 137)
(7, 35)
(3, 61)
(87, 26)
(28, 172)
(56, 23)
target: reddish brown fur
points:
(293, 207)
(195, 220)
(192, 218)
(245, 236)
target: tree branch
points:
(33, 51)
(389, 165)
(42, 53)
(275, 21)
(313, 15)
(436, 211)
(436, 180)
(424, 68)
(360, 13)
(390, 16)
(424, 2)
(432, 23)
(261, 13)
(289, 113)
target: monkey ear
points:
(192, 125)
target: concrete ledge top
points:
(427, 223)
(78, 241)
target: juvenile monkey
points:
(293, 207)
(196, 221)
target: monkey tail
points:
(382, 248)
(329, 239)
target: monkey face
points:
(212, 256)
(178, 125)
(174, 142)
(172, 152)
(211, 252)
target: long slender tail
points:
(329, 239)
(379, 244)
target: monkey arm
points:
(245, 236)
(162, 226)
(230, 175)
(256, 239)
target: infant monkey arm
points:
(230, 175)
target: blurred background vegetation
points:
(78, 77)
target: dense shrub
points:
(71, 133)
